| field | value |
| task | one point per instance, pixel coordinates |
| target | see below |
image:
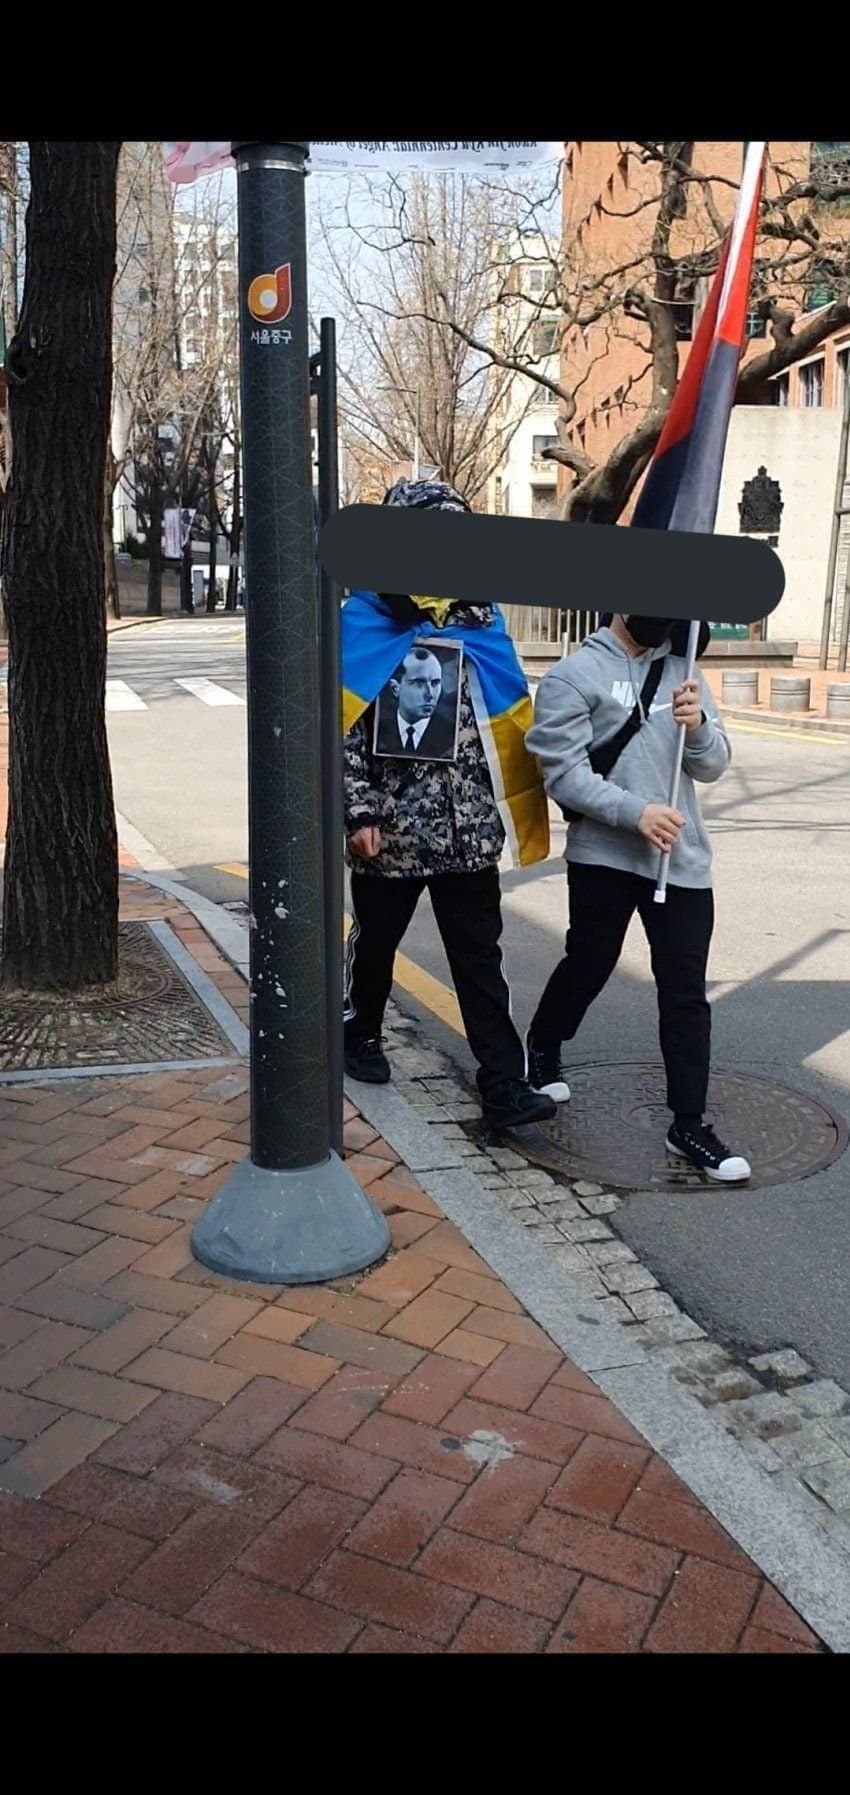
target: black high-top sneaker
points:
(514, 1105)
(367, 1062)
(699, 1145)
(545, 1072)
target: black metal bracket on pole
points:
(291, 1213)
(323, 388)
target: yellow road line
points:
(413, 979)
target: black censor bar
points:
(568, 567)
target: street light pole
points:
(291, 1213)
(841, 474)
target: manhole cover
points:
(150, 1015)
(612, 1130)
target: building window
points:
(539, 444)
(779, 390)
(536, 280)
(756, 325)
(811, 383)
(544, 340)
(544, 501)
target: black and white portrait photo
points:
(417, 713)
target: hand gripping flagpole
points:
(660, 896)
(695, 507)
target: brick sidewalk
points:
(398, 1463)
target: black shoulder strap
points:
(604, 758)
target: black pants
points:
(468, 912)
(602, 904)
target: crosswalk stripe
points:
(209, 692)
(121, 697)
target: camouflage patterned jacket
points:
(434, 818)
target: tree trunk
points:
(187, 597)
(61, 875)
(212, 589)
(156, 510)
(235, 538)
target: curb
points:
(785, 1544)
(833, 726)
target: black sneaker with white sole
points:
(366, 1061)
(545, 1072)
(515, 1105)
(702, 1149)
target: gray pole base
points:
(301, 1227)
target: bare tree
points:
(60, 909)
(675, 229)
(435, 324)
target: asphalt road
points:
(761, 1269)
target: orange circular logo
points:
(270, 295)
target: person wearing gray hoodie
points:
(604, 732)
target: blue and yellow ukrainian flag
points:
(373, 645)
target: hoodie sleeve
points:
(561, 737)
(708, 750)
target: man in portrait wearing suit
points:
(413, 723)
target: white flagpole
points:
(660, 894)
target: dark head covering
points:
(430, 495)
(678, 636)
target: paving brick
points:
(705, 1611)
(406, 1227)
(21, 1417)
(516, 1330)
(600, 1551)
(503, 1499)
(188, 1377)
(177, 1573)
(594, 1414)
(62, 1237)
(602, 1617)
(400, 1278)
(524, 1432)
(367, 1168)
(488, 1569)
(15, 1573)
(54, 1452)
(659, 1480)
(517, 1377)
(387, 1639)
(474, 1349)
(146, 1193)
(297, 1542)
(271, 1358)
(87, 1309)
(209, 1475)
(774, 1614)
(251, 1417)
(33, 1530)
(131, 1224)
(283, 1325)
(358, 1135)
(133, 1504)
(47, 1178)
(400, 1598)
(27, 1270)
(39, 1353)
(75, 1583)
(429, 1318)
(682, 1526)
(194, 1134)
(599, 1478)
(169, 1421)
(210, 1327)
(91, 1270)
(434, 1449)
(155, 1293)
(446, 1245)
(428, 1392)
(331, 1463)
(321, 1303)
(92, 1393)
(405, 1517)
(372, 1351)
(272, 1619)
(16, 1326)
(758, 1639)
(124, 1627)
(338, 1408)
(491, 1627)
(15, 1641)
(484, 1291)
(117, 1345)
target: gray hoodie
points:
(582, 702)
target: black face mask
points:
(649, 632)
